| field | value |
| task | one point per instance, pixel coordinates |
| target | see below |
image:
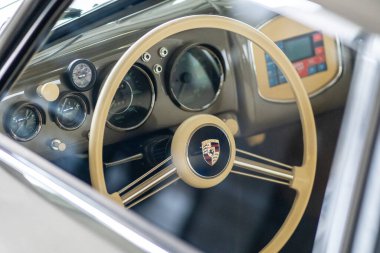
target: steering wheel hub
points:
(203, 151)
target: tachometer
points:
(195, 78)
(133, 101)
(71, 111)
(24, 121)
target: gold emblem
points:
(211, 151)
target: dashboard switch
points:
(48, 91)
(58, 145)
(157, 69)
(163, 52)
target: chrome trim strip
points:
(12, 96)
(124, 160)
(337, 222)
(16, 94)
(367, 229)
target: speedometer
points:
(195, 78)
(133, 101)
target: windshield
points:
(7, 9)
(80, 8)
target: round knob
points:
(58, 145)
(232, 125)
(48, 91)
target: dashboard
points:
(49, 109)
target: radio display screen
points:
(306, 52)
(298, 48)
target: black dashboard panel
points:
(72, 126)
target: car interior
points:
(185, 65)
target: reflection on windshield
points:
(79, 8)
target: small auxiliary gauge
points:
(24, 121)
(81, 74)
(71, 111)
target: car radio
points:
(314, 55)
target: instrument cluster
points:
(192, 77)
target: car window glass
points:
(51, 107)
(8, 9)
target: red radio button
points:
(301, 68)
(319, 50)
(320, 59)
(317, 37)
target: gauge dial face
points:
(81, 74)
(24, 122)
(71, 111)
(133, 101)
(195, 78)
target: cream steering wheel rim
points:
(303, 176)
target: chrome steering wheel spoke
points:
(150, 183)
(255, 166)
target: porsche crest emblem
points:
(211, 151)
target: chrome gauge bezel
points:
(83, 101)
(16, 108)
(69, 74)
(152, 102)
(174, 60)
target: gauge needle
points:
(21, 122)
(18, 122)
(67, 109)
(28, 114)
(66, 106)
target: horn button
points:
(208, 151)
(203, 151)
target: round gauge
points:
(133, 101)
(24, 122)
(71, 111)
(195, 78)
(81, 74)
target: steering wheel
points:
(203, 151)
